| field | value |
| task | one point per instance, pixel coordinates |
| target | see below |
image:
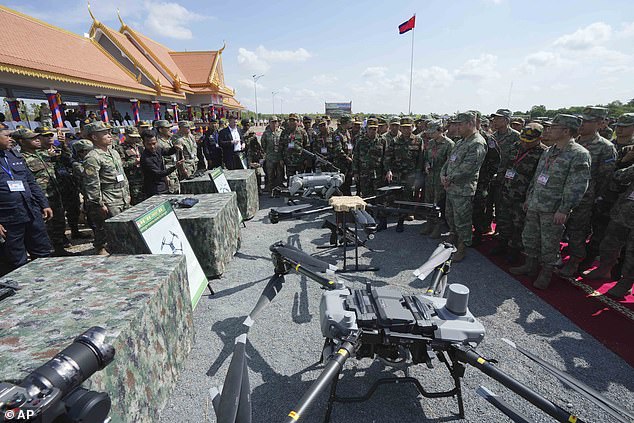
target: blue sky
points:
(467, 53)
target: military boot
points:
(605, 268)
(101, 251)
(513, 255)
(435, 233)
(529, 268)
(382, 225)
(399, 225)
(543, 280)
(427, 228)
(570, 268)
(622, 287)
(500, 249)
(61, 252)
(75, 233)
(451, 238)
(460, 253)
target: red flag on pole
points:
(407, 25)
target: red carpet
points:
(610, 321)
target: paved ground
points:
(285, 342)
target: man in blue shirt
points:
(23, 208)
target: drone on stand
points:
(399, 329)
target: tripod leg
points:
(332, 397)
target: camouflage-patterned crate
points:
(245, 184)
(143, 303)
(202, 184)
(212, 228)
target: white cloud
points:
(374, 72)
(610, 70)
(170, 20)
(543, 59)
(299, 55)
(585, 38)
(478, 69)
(246, 82)
(251, 61)
(324, 79)
(433, 77)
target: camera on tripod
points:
(52, 392)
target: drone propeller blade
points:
(592, 395)
(304, 259)
(230, 398)
(501, 405)
(270, 291)
(440, 255)
(244, 404)
(214, 393)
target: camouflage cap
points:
(131, 132)
(192, 125)
(96, 126)
(519, 120)
(484, 120)
(162, 124)
(626, 119)
(433, 126)
(322, 122)
(357, 122)
(406, 121)
(44, 130)
(345, 118)
(293, 116)
(475, 113)
(144, 124)
(381, 120)
(326, 117)
(594, 113)
(373, 123)
(23, 134)
(395, 121)
(505, 113)
(531, 132)
(183, 124)
(568, 121)
(244, 122)
(274, 119)
(463, 117)
(83, 145)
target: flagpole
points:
(411, 72)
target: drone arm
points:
(471, 357)
(332, 369)
(325, 282)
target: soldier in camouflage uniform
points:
(366, 165)
(344, 160)
(603, 161)
(326, 147)
(560, 181)
(293, 139)
(164, 139)
(185, 138)
(517, 178)
(459, 177)
(130, 152)
(273, 154)
(402, 162)
(389, 136)
(605, 131)
(107, 191)
(255, 152)
(382, 126)
(39, 163)
(434, 158)
(307, 122)
(619, 234)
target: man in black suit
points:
(231, 140)
(211, 148)
(23, 208)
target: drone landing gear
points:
(456, 370)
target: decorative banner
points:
(175, 111)
(213, 112)
(157, 110)
(13, 106)
(51, 96)
(62, 106)
(135, 110)
(103, 107)
(190, 113)
(203, 113)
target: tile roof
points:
(196, 66)
(60, 55)
(232, 103)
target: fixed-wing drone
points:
(399, 329)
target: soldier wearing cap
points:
(356, 130)
(255, 152)
(402, 162)
(459, 177)
(130, 152)
(517, 178)
(558, 186)
(273, 154)
(326, 147)
(434, 158)
(80, 149)
(143, 125)
(307, 122)
(107, 191)
(367, 160)
(389, 136)
(23, 206)
(43, 169)
(185, 138)
(344, 160)
(293, 139)
(603, 162)
(164, 139)
(605, 131)
(517, 123)
(382, 126)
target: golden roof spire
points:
(123, 25)
(91, 15)
(224, 45)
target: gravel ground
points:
(285, 343)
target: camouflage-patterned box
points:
(202, 184)
(245, 184)
(212, 228)
(143, 303)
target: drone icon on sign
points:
(174, 245)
